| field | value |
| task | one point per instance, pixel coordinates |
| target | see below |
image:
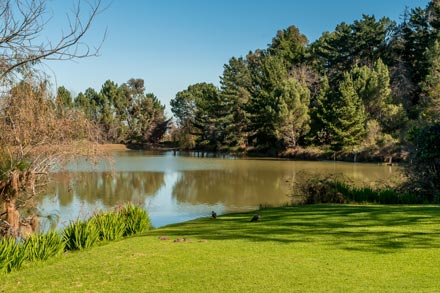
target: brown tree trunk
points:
(12, 217)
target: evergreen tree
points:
(235, 84)
(63, 99)
(360, 43)
(268, 74)
(322, 114)
(290, 45)
(210, 116)
(200, 112)
(430, 104)
(293, 117)
(349, 125)
(111, 102)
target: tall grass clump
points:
(43, 246)
(12, 255)
(136, 219)
(321, 189)
(111, 226)
(80, 235)
(333, 189)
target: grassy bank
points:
(317, 248)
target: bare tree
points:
(22, 23)
(34, 136)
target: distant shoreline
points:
(292, 154)
(112, 147)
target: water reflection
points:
(176, 188)
(79, 194)
(234, 188)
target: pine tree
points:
(321, 114)
(349, 125)
(268, 74)
(235, 84)
(430, 104)
(293, 117)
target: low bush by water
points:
(333, 189)
(111, 226)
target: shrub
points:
(136, 219)
(331, 189)
(321, 190)
(43, 246)
(80, 235)
(423, 171)
(111, 226)
(12, 255)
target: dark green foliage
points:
(136, 219)
(334, 189)
(43, 246)
(360, 43)
(423, 171)
(322, 115)
(430, 86)
(355, 87)
(201, 111)
(80, 235)
(125, 113)
(321, 190)
(12, 255)
(63, 99)
(235, 91)
(348, 127)
(290, 45)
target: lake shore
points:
(112, 147)
(388, 156)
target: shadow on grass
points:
(381, 229)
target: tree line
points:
(123, 113)
(365, 85)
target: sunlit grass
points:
(318, 248)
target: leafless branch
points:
(22, 23)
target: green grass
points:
(317, 248)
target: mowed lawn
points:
(317, 248)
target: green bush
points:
(136, 219)
(321, 190)
(80, 235)
(111, 226)
(12, 255)
(423, 171)
(331, 189)
(43, 246)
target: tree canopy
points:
(362, 85)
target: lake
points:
(176, 187)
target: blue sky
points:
(174, 43)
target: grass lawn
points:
(317, 248)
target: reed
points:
(12, 255)
(80, 235)
(332, 189)
(136, 219)
(111, 226)
(43, 246)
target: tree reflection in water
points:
(233, 188)
(87, 192)
(179, 188)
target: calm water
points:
(175, 188)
